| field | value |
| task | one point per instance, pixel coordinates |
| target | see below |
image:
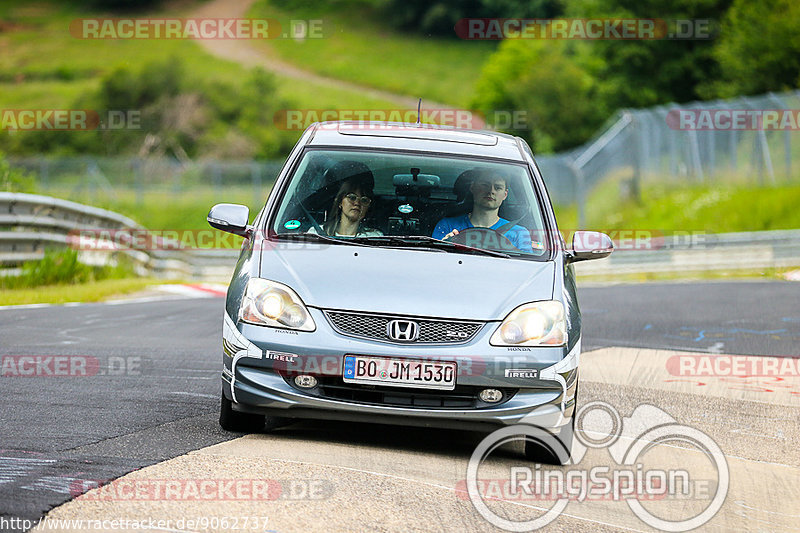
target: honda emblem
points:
(402, 330)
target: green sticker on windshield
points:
(292, 224)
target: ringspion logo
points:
(691, 495)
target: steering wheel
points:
(484, 238)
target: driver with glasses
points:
(489, 191)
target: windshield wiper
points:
(425, 241)
(316, 237)
(410, 241)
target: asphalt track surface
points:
(154, 395)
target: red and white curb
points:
(794, 275)
(196, 290)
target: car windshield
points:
(398, 199)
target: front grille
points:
(431, 331)
(462, 397)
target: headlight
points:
(533, 324)
(269, 303)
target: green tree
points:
(552, 82)
(176, 114)
(647, 72)
(124, 5)
(569, 87)
(758, 49)
(439, 17)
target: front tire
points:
(553, 448)
(556, 448)
(235, 421)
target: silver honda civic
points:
(404, 274)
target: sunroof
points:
(423, 132)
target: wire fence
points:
(751, 140)
(87, 178)
(747, 140)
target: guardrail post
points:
(694, 150)
(638, 158)
(765, 155)
(787, 138)
(756, 160)
(712, 155)
(787, 152)
(673, 152)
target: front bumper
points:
(257, 359)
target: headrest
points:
(462, 184)
(347, 170)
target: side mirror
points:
(231, 218)
(589, 245)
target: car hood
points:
(408, 281)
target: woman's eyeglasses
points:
(353, 197)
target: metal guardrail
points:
(31, 223)
(701, 252)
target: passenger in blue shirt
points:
(489, 191)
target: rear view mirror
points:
(231, 218)
(590, 245)
(416, 180)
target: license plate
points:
(399, 372)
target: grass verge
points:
(714, 208)
(93, 291)
(60, 278)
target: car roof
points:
(419, 137)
